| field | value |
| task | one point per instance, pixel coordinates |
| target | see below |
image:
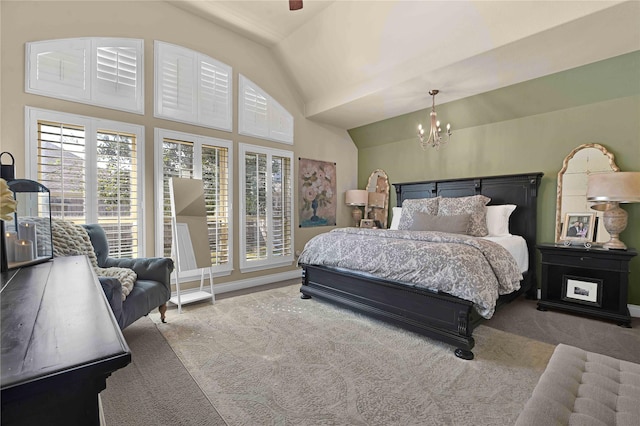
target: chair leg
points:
(163, 309)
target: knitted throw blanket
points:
(70, 239)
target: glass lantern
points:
(27, 239)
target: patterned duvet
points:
(467, 267)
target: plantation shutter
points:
(59, 68)
(267, 208)
(107, 72)
(177, 159)
(281, 193)
(253, 118)
(262, 116)
(214, 105)
(117, 180)
(255, 196)
(215, 178)
(117, 80)
(280, 123)
(61, 167)
(192, 88)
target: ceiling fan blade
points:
(295, 4)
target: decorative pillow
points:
(456, 224)
(473, 205)
(498, 219)
(419, 205)
(396, 212)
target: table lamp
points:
(608, 190)
(356, 198)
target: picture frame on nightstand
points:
(367, 223)
(586, 291)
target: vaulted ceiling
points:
(358, 62)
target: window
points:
(197, 157)
(107, 72)
(266, 207)
(261, 116)
(192, 88)
(93, 171)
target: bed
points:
(437, 315)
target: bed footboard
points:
(435, 315)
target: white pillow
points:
(396, 212)
(498, 219)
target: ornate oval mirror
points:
(572, 184)
(378, 206)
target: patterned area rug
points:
(271, 358)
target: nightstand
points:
(591, 281)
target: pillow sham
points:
(473, 205)
(418, 205)
(455, 224)
(498, 219)
(396, 212)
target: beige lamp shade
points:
(376, 199)
(621, 187)
(356, 197)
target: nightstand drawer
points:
(585, 260)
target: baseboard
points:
(249, 282)
(634, 310)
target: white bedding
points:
(517, 246)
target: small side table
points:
(585, 281)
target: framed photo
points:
(587, 291)
(578, 227)
(367, 223)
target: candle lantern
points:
(27, 239)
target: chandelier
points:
(434, 139)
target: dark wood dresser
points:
(60, 342)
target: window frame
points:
(90, 94)
(91, 126)
(198, 140)
(274, 113)
(271, 261)
(162, 48)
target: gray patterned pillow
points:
(473, 205)
(456, 224)
(419, 205)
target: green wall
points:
(528, 127)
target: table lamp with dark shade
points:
(356, 198)
(608, 190)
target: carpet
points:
(155, 389)
(271, 358)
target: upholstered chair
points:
(151, 290)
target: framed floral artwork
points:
(317, 193)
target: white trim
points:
(91, 126)
(193, 61)
(270, 261)
(198, 140)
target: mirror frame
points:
(565, 164)
(372, 183)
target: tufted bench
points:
(584, 388)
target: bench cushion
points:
(584, 388)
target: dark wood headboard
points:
(521, 190)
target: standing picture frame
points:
(578, 227)
(367, 223)
(586, 291)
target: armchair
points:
(151, 290)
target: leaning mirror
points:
(572, 184)
(378, 205)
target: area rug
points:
(271, 358)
